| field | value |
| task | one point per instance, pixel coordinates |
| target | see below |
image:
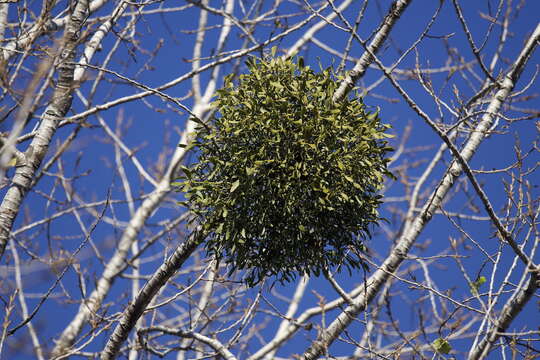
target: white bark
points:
(511, 309)
(55, 111)
(366, 59)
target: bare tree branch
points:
(405, 242)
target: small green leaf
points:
(442, 346)
(475, 285)
(372, 115)
(12, 162)
(276, 85)
(219, 229)
(186, 171)
(235, 185)
(187, 147)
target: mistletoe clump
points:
(287, 180)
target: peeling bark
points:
(55, 111)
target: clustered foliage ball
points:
(287, 180)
